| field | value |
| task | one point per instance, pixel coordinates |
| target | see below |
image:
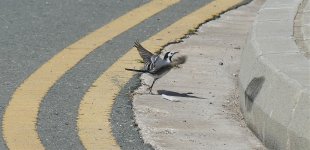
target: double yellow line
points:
(19, 122)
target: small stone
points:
(221, 63)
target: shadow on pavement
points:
(171, 93)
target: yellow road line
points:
(95, 108)
(19, 122)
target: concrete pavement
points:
(206, 114)
(272, 87)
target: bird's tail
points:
(144, 71)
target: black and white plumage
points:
(156, 66)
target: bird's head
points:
(169, 55)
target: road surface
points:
(56, 55)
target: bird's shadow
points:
(172, 93)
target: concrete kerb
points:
(275, 79)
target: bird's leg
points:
(152, 85)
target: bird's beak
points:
(175, 53)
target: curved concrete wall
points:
(275, 79)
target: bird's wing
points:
(154, 58)
(161, 66)
(150, 65)
(158, 64)
(144, 53)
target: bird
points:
(156, 66)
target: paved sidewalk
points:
(207, 115)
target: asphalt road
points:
(32, 32)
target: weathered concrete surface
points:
(207, 115)
(302, 28)
(275, 79)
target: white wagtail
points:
(156, 66)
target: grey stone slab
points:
(276, 14)
(306, 6)
(281, 4)
(273, 29)
(294, 65)
(302, 29)
(277, 45)
(305, 18)
(299, 128)
(305, 31)
(306, 50)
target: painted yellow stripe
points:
(95, 108)
(19, 123)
